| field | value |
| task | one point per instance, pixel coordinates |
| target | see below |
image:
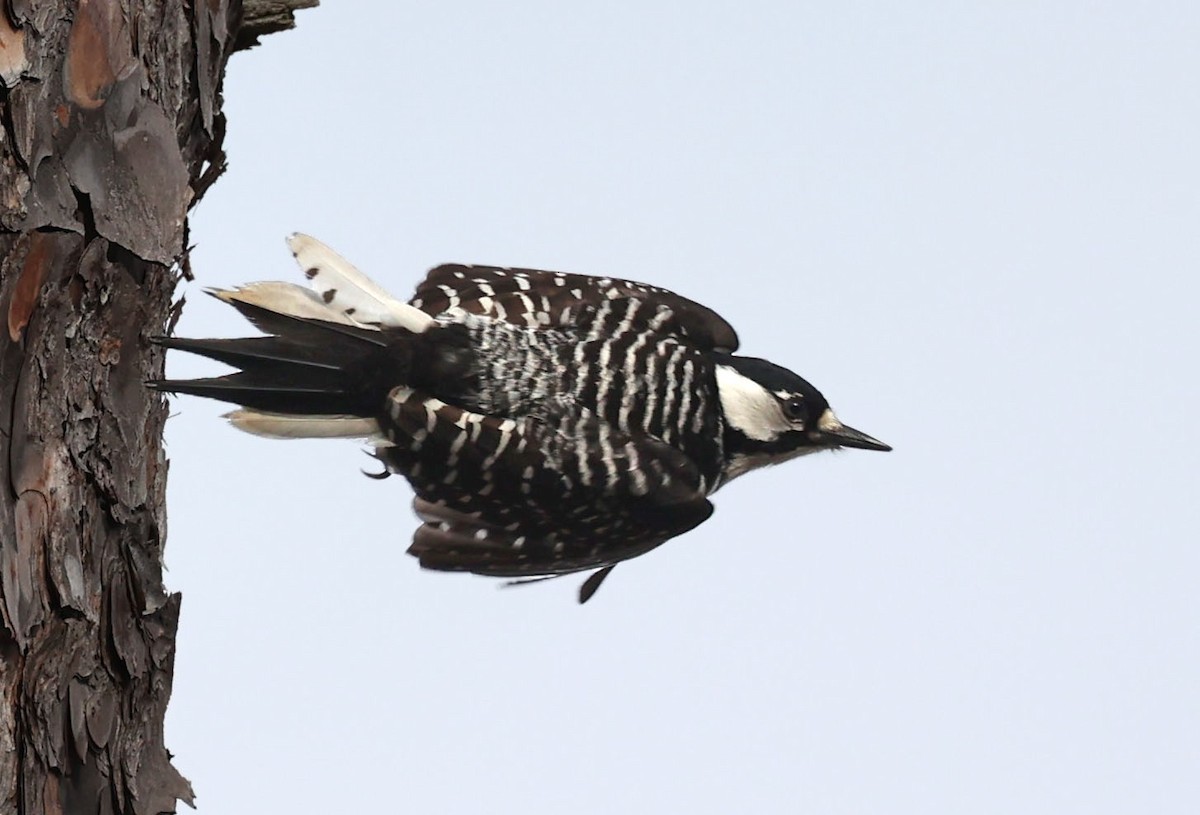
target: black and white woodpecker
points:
(549, 423)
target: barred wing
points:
(533, 299)
(514, 499)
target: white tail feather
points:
(348, 291)
(283, 298)
(290, 426)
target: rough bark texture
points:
(260, 17)
(111, 130)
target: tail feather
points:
(281, 323)
(252, 350)
(349, 292)
(276, 393)
(282, 298)
(317, 426)
(306, 367)
(331, 355)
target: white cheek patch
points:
(749, 406)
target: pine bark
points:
(112, 130)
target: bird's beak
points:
(834, 433)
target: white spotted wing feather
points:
(349, 292)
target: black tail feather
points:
(287, 325)
(311, 366)
(272, 393)
(251, 350)
(308, 367)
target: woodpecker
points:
(548, 423)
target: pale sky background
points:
(973, 226)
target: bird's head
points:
(772, 415)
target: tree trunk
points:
(112, 130)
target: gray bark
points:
(112, 130)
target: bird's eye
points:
(793, 409)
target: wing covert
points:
(533, 298)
